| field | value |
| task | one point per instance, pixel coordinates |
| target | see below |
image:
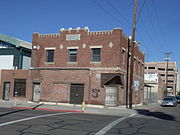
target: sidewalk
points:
(93, 109)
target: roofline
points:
(15, 41)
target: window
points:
(170, 75)
(123, 56)
(170, 81)
(72, 55)
(20, 87)
(171, 87)
(162, 74)
(145, 67)
(49, 55)
(162, 69)
(96, 54)
(151, 67)
(170, 69)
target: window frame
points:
(49, 60)
(72, 57)
(96, 57)
(123, 55)
(19, 88)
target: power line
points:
(141, 10)
(107, 12)
(113, 7)
(156, 14)
(149, 35)
(151, 22)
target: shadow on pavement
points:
(12, 112)
(37, 106)
(16, 111)
(159, 115)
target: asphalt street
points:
(165, 121)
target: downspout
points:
(89, 94)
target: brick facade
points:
(56, 78)
(10, 76)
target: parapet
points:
(36, 34)
(86, 29)
(78, 30)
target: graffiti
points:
(95, 93)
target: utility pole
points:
(127, 74)
(167, 59)
(132, 54)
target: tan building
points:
(161, 68)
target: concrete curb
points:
(66, 107)
(44, 109)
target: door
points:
(111, 96)
(37, 90)
(76, 93)
(6, 91)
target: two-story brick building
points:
(76, 65)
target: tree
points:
(178, 93)
(164, 92)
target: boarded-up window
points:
(61, 92)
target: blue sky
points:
(158, 26)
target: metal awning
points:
(112, 78)
(147, 85)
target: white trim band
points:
(50, 48)
(97, 46)
(75, 47)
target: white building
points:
(14, 53)
(153, 90)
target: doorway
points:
(6, 91)
(76, 93)
(37, 91)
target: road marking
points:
(112, 124)
(31, 118)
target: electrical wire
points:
(153, 27)
(139, 14)
(122, 16)
(107, 12)
(159, 24)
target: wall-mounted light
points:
(36, 47)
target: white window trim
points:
(95, 62)
(74, 47)
(97, 46)
(123, 49)
(72, 62)
(50, 48)
(49, 63)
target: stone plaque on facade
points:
(73, 37)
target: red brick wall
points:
(9, 76)
(55, 84)
(110, 57)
